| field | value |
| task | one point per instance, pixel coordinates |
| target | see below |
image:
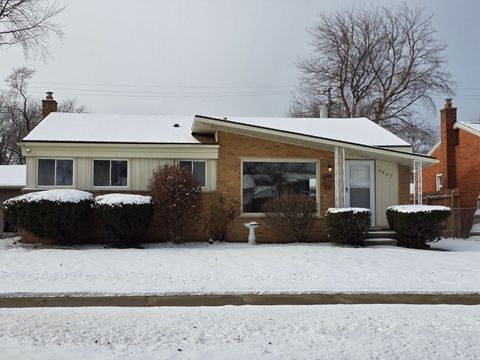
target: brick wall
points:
(233, 147)
(459, 164)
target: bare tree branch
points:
(20, 113)
(381, 63)
(29, 23)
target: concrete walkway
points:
(240, 299)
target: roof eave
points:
(464, 126)
(235, 125)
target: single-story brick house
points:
(458, 168)
(12, 181)
(339, 162)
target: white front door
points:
(360, 185)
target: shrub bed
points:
(417, 224)
(291, 214)
(125, 217)
(176, 200)
(55, 215)
(220, 214)
(348, 226)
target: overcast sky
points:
(213, 57)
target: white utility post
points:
(417, 182)
(339, 154)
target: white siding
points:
(386, 189)
(139, 175)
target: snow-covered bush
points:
(176, 200)
(348, 226)
(125, 217)
(417, 224)
(291, 214)
(52, 214)
(220, 214)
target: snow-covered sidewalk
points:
(199, 268)
(243, 332)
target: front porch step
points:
(380, 241)
(381, 234)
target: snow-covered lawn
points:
(200, 268)
(243, 332)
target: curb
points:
(240, 299)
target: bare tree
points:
(381, 63)
(20, 113)
(28, 23)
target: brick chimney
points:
(449, 138)
(48, 105)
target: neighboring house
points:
(339, 162)
(12, 181)
(458, 151)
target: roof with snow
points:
(13, 176)
(352, 130)
(473, 128)
(108, 128)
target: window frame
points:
(110, 174)
(206, 187)
(438, 187)
(55, 174)
(280, 160)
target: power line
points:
(165, 86)
(164, 95)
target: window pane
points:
(64, 172)
(264, 180)
(186, 165)
(46, 172)
(101, 173)
(360, 197)
(199, 172)
(119, 173)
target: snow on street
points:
(199, 268)
(243, 332)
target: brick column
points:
(449, 137)
(49, 105)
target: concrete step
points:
(379, 241)
(374, 234)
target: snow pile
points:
(354, 210)
(122, 199)
(475, 228)
(58, 195)
(406, 209)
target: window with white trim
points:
(110, 173)
(263, 180)
(198, 169)
(438, 182)
(55, 172)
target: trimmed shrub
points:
(220, 214)
(176, 200)
(291, 214)
(417, 224)
(52, 214)
(348, 226)
(125, 217)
